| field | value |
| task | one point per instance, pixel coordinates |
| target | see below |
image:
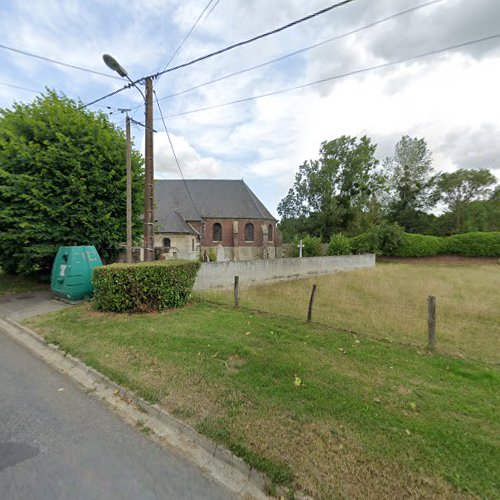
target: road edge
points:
(213, 459)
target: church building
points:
(213, 217)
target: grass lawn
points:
(324, 412)
(19, 284)
(390, 301)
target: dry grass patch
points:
(389, 301)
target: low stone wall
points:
(213, 275)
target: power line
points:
(175, 156)
(186, 36)
(48, 59)
(212, 9)
(343, 75)
(305, 49)
(255, 38)
(21, 88)
(226, 49)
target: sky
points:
(451, 99)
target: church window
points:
(217, 232)
(166, 242)
(249, 236)
(270, 233)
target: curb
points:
(214, 460)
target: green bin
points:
(72, 272)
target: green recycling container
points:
(72, 272)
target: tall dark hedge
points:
(62, 182)
(148, 286)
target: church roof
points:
(206, 199)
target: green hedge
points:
(474, 244)
(144, 287)
(420, 245)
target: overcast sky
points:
(451, 99)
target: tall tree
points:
(410, 178)
(63, 182)
(330, 191)
(457, 189)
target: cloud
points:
(191, 162)
(474, 147)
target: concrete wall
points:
(221, 275)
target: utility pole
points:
(149, 218)
(129, 189)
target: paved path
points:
(24, 305)
(56, 442)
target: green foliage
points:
(474, 244)
(329, 192)
(383, 239)
(311, 246)
(457, 189)
(212, 255)
(419, 245)
(144, 287)
(339, 245)
(62, 182)
(364, 243)
(410, 179)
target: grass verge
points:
(322, 412)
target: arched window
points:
(249, 232)
(217, 232)
(166, 242)
(270, 233)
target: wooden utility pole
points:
(149, 218)
(236, 291)
(129, 190)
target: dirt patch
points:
(450, 260)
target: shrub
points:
(474, 244)
(339, 245)
(212, 255)
(419, 245)
(364, 243)
(311, 246)
(388, 238)
(151, 286)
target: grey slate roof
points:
(174, 223)
(217, 199)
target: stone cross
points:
(300, 248)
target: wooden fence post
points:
(236, 291)
(311, 302)
(431, 322)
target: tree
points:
(457, 189)
(410, 178)
(63, 182)
(331, 190)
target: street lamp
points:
(113, 64)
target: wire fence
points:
(420, 306)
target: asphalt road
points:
(56, 442)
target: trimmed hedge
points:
(474, 244)
(420, 245)
(144, 287)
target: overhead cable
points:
(226, 49)
(175, 156)
(186, 36)
(60, 63)
(300, 51)
(343, 75)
